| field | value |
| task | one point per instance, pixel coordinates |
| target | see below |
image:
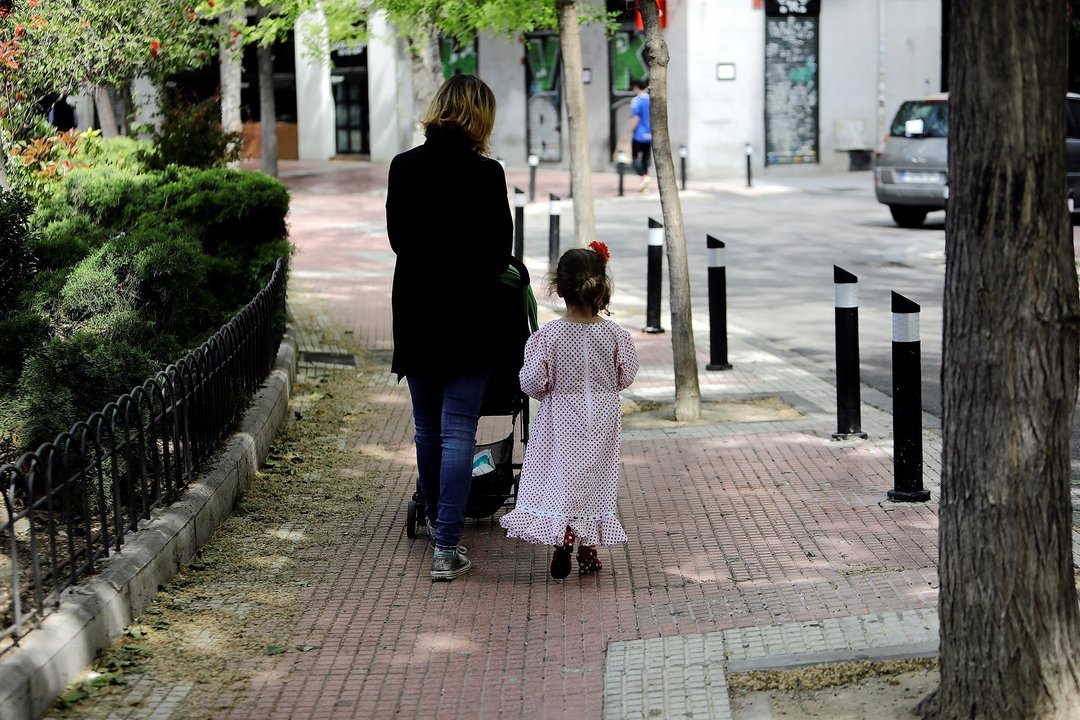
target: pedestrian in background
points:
(639, 131)
(575, 366)
(449, 223)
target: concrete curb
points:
(94, 613)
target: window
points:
(934, 115)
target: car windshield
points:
(920, 118)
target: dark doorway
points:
(350, 82)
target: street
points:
(782, 240)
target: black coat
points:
(449, 223)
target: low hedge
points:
(122, 269)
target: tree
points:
(687, 389)
(55, 47)
(577, 117)
(1010, 631)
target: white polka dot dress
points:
(571, 469)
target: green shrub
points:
(67, 381)
(149, 282)
(190, 134)
(121, 152)
(16, 261)
(109, 197)
(133, 267)
(63, 243)
(21, 333)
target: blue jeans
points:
(446, 411)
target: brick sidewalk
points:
(731, 526)
(748, 541)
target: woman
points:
(449, 224)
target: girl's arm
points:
(535, 375)
(626, 361)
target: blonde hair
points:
(464, 102)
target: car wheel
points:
(908, 217)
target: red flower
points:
(191, 16)
(34, 3)
(155, 47)
(210, 3)
(19, 96)
(600, 249)
(19, 30)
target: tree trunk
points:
(687, 390)
(267, 112)
(1010, 632)
(425, 72)
(231, 73)
(106, 114)
(580, 173)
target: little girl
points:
(575, 366)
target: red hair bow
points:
(600, 249)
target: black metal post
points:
(718, 359)
(534, 162)
(654, 270)
(682, 166)
(907, 403)
(749, 171)
(848, 398)
(519, 223)
(553, 230)
(620, 167)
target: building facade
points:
(797, 83)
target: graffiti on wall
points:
(791, 82)
(543, 93)
(458, 59)
(791, 91)
(627, 62)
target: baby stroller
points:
(495, 474)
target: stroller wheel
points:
(410, 520)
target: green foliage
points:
(109, 197)
(21, 332)
(65, 241)
(191, 135)
(15, 259)
(133, 267)
(67, 381)
(122, 153)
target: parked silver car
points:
(911, 166)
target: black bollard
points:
(620, 167)
(654, 270)
(848, 399)
(907, 403)
(534, 162)
(718, 359)
(682, 168)
(749, 155)
(519, 223)
(553, 230)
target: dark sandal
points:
(560, 559)
(587, 561)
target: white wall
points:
(501, 65)
(848, 73)
(723, 115)
(714, 118)
(912, 52)
(389, 92)
(314, 97)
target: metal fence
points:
(66, 505)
